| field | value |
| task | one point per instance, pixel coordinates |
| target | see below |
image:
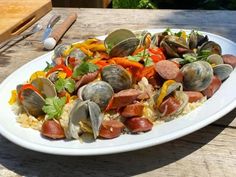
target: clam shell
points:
(215, 59)
(222, 71)
(124, 48)
(197, 75)
(99, 92)
(32, 102)
(213, 47)
(117, 77)
(45, 86)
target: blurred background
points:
(149, 4)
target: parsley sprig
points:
(54, 106)
(65, 84)
(84, 68)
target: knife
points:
(51, 23)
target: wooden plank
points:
(208, 152)
(17, 16)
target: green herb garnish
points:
(62, 84)
(84, 68)
(54, 106)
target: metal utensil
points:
(51, 23)
(37, 27)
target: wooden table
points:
(210, 151)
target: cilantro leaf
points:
(54, 106)
(84, 68)
(68, 84)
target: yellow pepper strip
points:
(184, 35)
(95, 60)
(87, 42)
(61, 74)
(13, 97)
(37, 74)
(163, 91)
(72, 98)
(86, 51)
(68, 51)
(97, 47)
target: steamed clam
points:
(33, 99)
(172, 43)
(196, 39)
(99, 92)
(121, 43)
(197, 75)
(85, 116)
(117, 77)
(222, 71)
(212, 47)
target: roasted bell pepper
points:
(60, 67)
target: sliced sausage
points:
(86, 79)
(111, 129)
(133, 110)
(213, 87)
(194, 96)
(138, 124)
(123, 98)
(179, 77)
(167, 69)
(229, 59)
(52, 129)
(169, 106)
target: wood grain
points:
(210, 151)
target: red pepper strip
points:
(27, 86)
(60, 67)
(157, 51)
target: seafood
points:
(99, 92)
(84, 113)
(197, 75)
(117, 77)
(123, 84)
(121, 43)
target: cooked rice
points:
(28, 121)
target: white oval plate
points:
(223, 101)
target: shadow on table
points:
(29, 163)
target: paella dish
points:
(125, 84)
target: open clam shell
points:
(84, 112)
(31, 101)
(121, 43)
(211, 46)
(45, 86)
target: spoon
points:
(37, 27)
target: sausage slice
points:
(111, 129)
(123, 98)
(133, 110)
(138, 124)
(193, 96)
(169, 106)
(229, 59)
(167, 69)
(213, 87)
